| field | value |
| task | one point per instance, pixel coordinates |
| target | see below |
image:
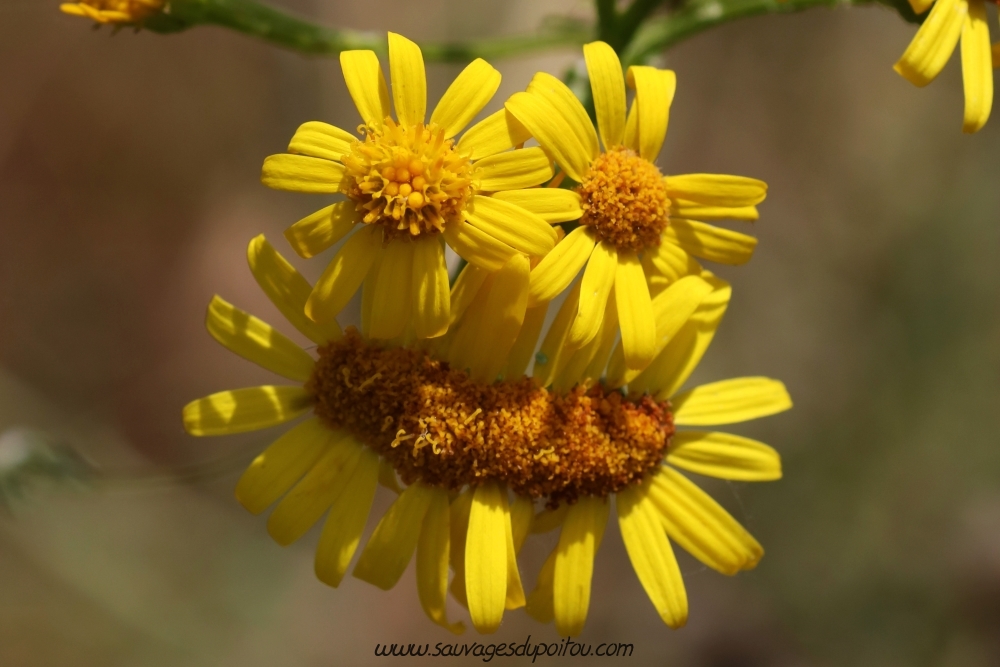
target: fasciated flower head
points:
(480, 448)
(412, 185)
(637, 227)
(951, 22)
(121, 12)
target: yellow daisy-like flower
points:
(462, 443)
(124, 12)
(949, 22)
(632, 218)
(410, 187)
(664, 505)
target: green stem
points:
(664, 32)
(279, 27)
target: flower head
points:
(412, 185)
(949, 22)
(635, 223)
(476, 444)
(122, 12)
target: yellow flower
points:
(633, 219)
(463, 442)
(124, 12)
(410, 187)
(665, 505)
(925, 57)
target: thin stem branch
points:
(280, 27)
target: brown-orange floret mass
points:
(437, 425)
(625, 200)
(408, 179)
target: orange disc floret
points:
(624, 200)
(437, 425)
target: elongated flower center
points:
(408, 179)
(625, 200)
(437, 425)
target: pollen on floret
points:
(408, 179)
(114, 11)
(624, 200)
(437, 425)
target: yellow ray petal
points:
(559, 95)
(522, 513)
(652, 558)
(387, 476)
(549, 519)
(512, 170)
(635, 313)
(501, 320)
(305, 504)
(671, 309)
(300, 173)
(523, 348)
(391, 546)
(598, 279)
(717, 189)
(366, 84)
(257, 341)
(934, 42)
(432, 561)
(977, 68)
(346, 520)
(550, 204)
(393, 290)
(282, 464)
(409, 80)
(368, 295)
(515, 592)
(552, 131)
(690, 210)
(465, 289)
(709, 242)
(460, 509)
(322, 140)
(701, 526)
(241, 410)
(671, 369)
(511, 225)
(477, 247)
(287, 290)
(550, 357)
(725, 456)
(920, 6)
(730, 401)
(466, 96)
(431, 298)
(587, 363)
(317, 232)
(631, 138)
(540, 603)
(486, 558)
(654, 93)
(560, 267)
(667, 264)
(464, 348)
(500, 131)
(578, 542)
(343, 275)
(608, 86)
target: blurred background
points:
(129, 168)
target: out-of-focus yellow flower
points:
(122, 12)
(949, 22)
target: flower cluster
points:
(443, 394)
